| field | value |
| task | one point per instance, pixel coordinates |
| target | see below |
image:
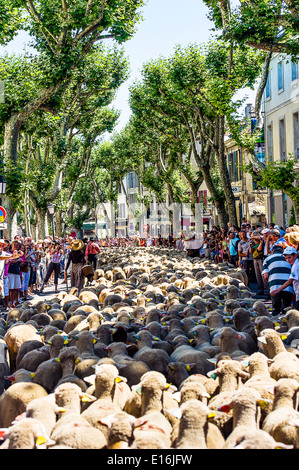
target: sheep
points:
(278, 423)
(193, 428)
(45, 410)
(4, 366)
(245, 403)
(29, 433)
(68, 358)
(15, 336)
(15, 399)
(120, 430)
(34, 358)
(152, 429)
(155, 359)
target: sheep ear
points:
(262, 339)
(176, 396)
(176, 412)
(212, 374)
(137, 388)
(264, 403)
(119, 379)
(4, 433)
(90, 379)
(106, 421)
(225, 408)
(86, 397)
(190, 366)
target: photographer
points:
(257, 244)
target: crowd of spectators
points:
(269, 255)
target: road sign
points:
(2, 214)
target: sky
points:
(166, 23)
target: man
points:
(193, 246)
(233, 248)
(91, 252)
(276, 271)
(273, 239)
(257, 251)
(243, 251)
(291, 257)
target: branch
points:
(31, 9)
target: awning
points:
(89, 225)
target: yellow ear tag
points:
(283, 336)
(94, 341)
(284, 319)
(40, 440)
(211, 415)
(32, 375)
(118, 379)
(66, 341)
(188, 368)
(57, 359)
(85, 399)
(203, 320)
(263, 404)
(276, 324)
(77, 360)
(220, 303)
(167, 385)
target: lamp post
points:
(51, 209)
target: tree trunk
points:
(59, 222)
(224, 174)
(218, 201)
(296, 210)
(41, 223)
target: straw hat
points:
(77, 245)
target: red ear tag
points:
(225, 408)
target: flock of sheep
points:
(160, 351)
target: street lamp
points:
(2, 185)
(51, 209)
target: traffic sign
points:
(2, 214)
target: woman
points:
(54, 266)
(14, 274)
(77, 258)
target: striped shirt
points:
(295, 276)
(279, 271)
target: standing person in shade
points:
(243, 251)
(276, 271)
(290, 254)
(54, 266)
(77, 258)
(91, 252)
(14, 273)
(257, 243)
(233, 248)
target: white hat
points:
(290, 250)
(266, 230)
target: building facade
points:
(281, 125)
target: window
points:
(235, 165)
(132, 180)
(268, 88)
(282, 140)
(294, 70)
(269, 143)
(280, 75)
(296, 133)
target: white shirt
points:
(295, 276)
(194, 244)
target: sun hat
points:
(77, 245)
(3, 242)
(265, 230)
(290, 250)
